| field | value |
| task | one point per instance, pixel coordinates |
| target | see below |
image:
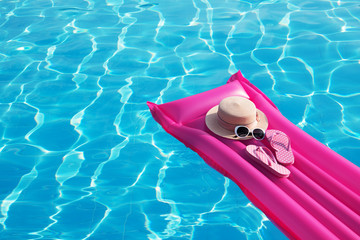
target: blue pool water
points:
(82, 158)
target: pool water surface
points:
(82, 158)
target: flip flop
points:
(280, 142)
(264, 156)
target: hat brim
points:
(212, 123)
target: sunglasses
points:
(243, 132)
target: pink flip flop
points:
(264, 156)
(280, 142)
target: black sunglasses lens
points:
(242, 131)
(258, 134)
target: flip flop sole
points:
(264, 159)
(280, 142)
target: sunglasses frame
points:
(249, 132)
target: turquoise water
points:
(81, 156)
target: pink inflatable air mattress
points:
(321, 197)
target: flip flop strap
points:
(271, 160)
(283, 134)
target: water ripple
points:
(24, 182)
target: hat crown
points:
(237, 110)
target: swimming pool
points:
(81, 157)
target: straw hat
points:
(235, 111)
